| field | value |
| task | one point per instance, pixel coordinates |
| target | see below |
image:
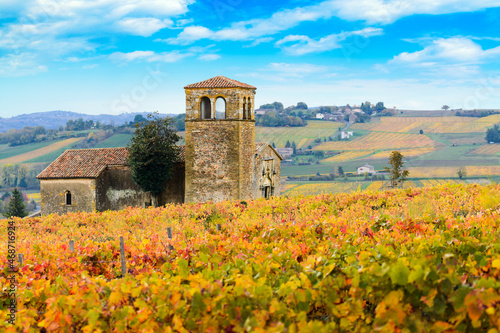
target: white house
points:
(346, 135)
(320, 116)
(366, 168)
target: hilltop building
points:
(220, 160)
(366, 168)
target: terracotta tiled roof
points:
(87, 163)
(219, 82)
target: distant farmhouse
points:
(366, 169)
(220, 160)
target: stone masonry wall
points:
(116, 190)
(246, 161)
(53, 194)
(233, 96)
(265, 154)
(212, 160)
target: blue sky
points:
(114, 56)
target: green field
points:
(303, 136)
(52, 155)
(114, 141)
(6, 151)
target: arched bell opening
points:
(220, 108)
(206, 108)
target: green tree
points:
(461, 173)
(302, 105)
(421, 132)
(288, 144)
(445, 107)
(340, 171)
(153, 154)
(294, 147)
(493, 134)
(396, 173)
(16, 207)
(379, 106)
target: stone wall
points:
(116, 190)
(232, 96)
(267, 157)
(174, 189)
(53, 194)
(246, 161)
(212, 160)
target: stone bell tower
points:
(220, 140)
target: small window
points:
(249, 109)
(244, 108)
(220, 108)
(206, 108)
(68, 198)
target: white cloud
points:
(300, 45)
(447, 50)
(298, 70)
(385, 12)
(209, 57)
(454, 57)
(142, 26)
(259, 41)
(150, 56)
(64, 26)
(370, 11)
(20, 65)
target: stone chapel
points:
(219, 161)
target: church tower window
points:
(220, 108)
(68, 198)
(206, 108)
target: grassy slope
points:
(303, 136)
(117, 140)
(6, 151)
(52, 155)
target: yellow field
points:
(303, 136)
(376, 185)
(487, 149)
(379, 140)
(33, 196)
(348, 155)
(333, 187)
(405, 152)
(430, 124)
(39, 152)
(444, 172)
(468, 141)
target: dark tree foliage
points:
(493, 134)
(16, 207)
(273, 119)
(396, 175)
(153, 154)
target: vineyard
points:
(417, 260)
(379, 140)
(40, 151)
(491, 149)
(430, 124)
(445, 172)
(303, 136)
(349, 155)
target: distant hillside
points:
(54, 119)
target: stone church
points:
(220, 160)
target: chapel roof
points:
(219, 82)
(87, 163)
